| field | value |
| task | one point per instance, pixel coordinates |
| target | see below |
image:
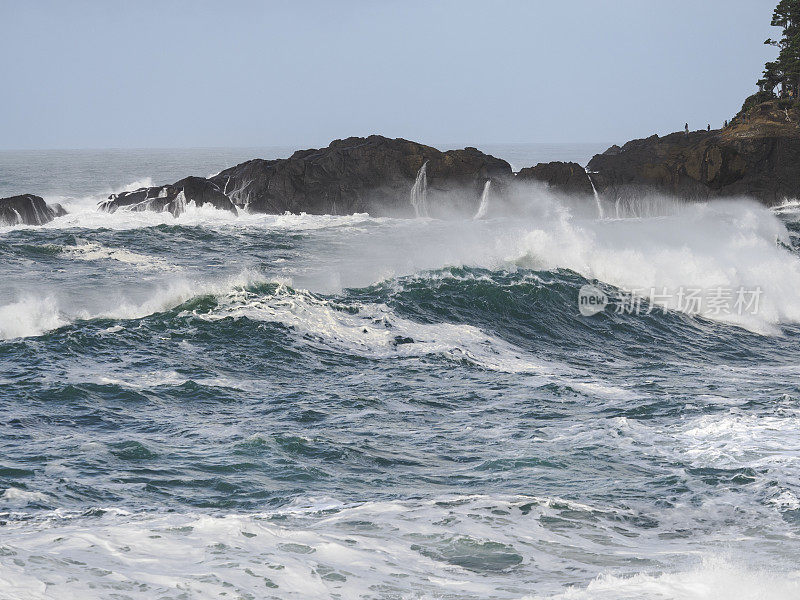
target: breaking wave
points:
(310, 406)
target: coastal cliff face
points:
(757, 155)
(374, 175)
(28, 209)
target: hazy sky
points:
(100, 74)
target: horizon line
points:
(450, 145)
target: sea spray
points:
(419, 192)
(693, 245)
(728, 245)
(30, 316)
(484, 206)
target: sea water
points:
(294, 406)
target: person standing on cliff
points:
(708, 127)
(686, 129)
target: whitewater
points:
(319, 406)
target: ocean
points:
(295, 406)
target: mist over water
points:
(298, 406)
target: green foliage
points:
(785, 70)
(755, 100)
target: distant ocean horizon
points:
(58, 173)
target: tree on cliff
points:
(785, 70)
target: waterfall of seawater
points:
(419, 192)
(596, 195)
(645, 207)
(484, 207)
(179, 204)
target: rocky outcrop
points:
(757, 155)
(28, 209)
(373, 175)
(171, 198)
(567, 177)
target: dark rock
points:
(171, 198)
(374, 175)
(29, 210)
(202, 191)
(570, 177)
(155, 198)
(757, 155)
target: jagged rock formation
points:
(29, 210)
(757, 155)
(567, 177)
(171, 198)
(374, 175)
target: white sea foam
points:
(89, 251)
(742, 440)
(201, 216)
(788, 206)
(374, 330)
(480, 546)
(715, 579)
(15, 497)
(152, 379)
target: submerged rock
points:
(28, 209)
(171, 198)
(757, 155)
(374, 175)
(567, 177)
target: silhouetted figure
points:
(708, 127)
(726, 122)
(686, 129)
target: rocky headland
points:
(757, 155)
(374, 175)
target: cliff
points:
(757, 155)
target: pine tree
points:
(785, 70)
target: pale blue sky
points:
(100, 74)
